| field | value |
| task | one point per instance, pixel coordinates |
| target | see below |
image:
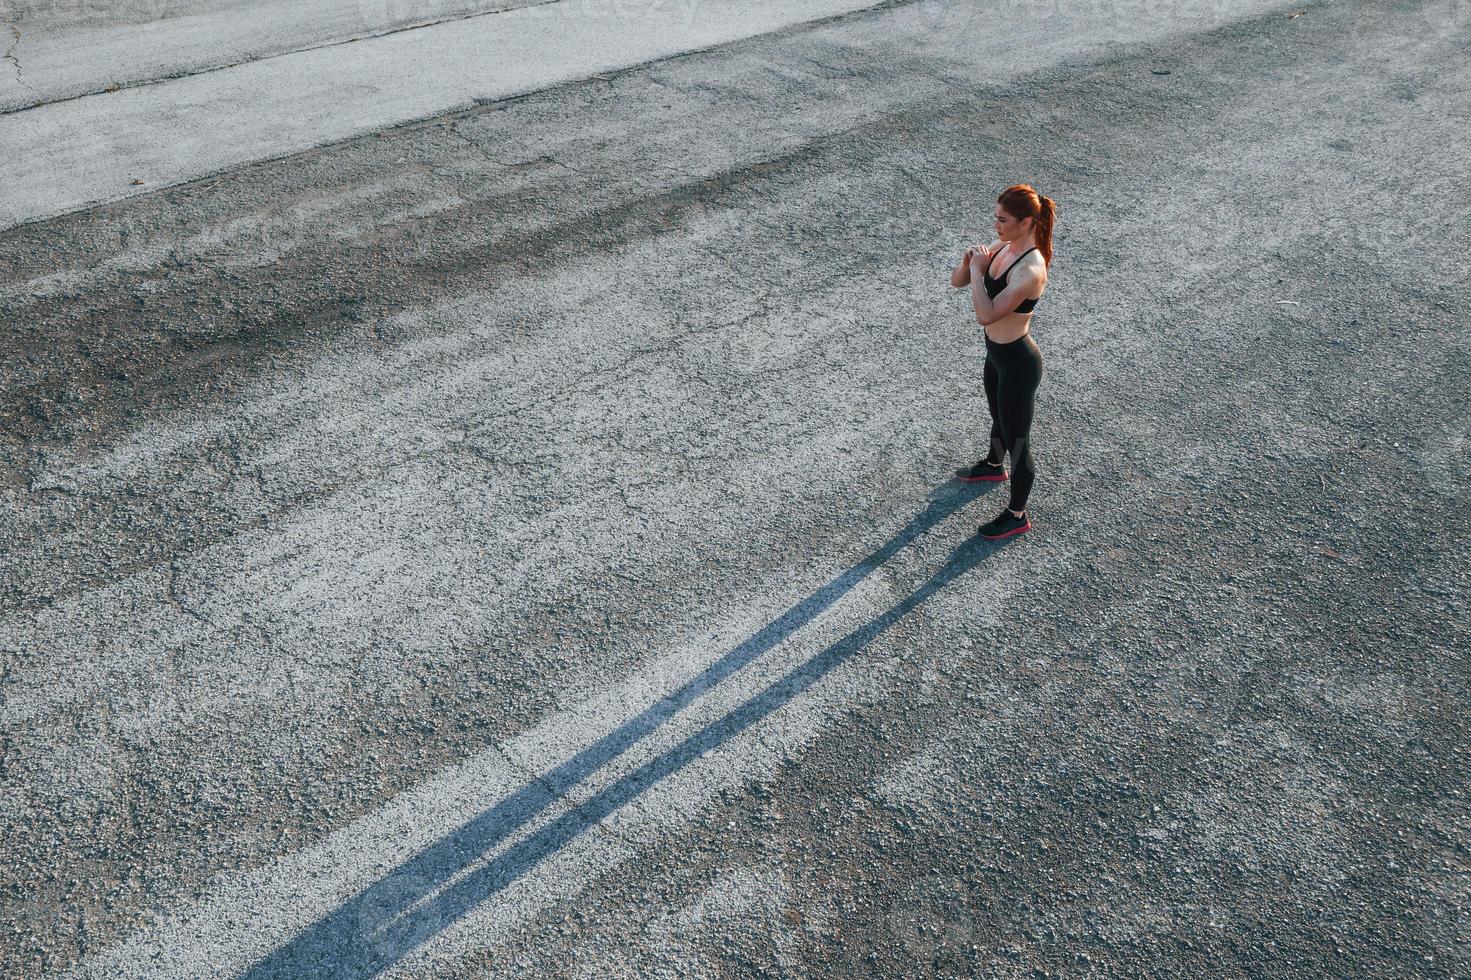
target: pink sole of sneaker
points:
(1009, 534)
(982, 479)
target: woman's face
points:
(1008, 228)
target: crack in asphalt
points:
(513, 165)
(11, 57)
(231, 448)
(171, 592)
(553, 794)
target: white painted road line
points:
(67, 155)
(62, 52)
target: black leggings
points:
(1013, 372)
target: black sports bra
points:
(994, 286)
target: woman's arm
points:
(960, 276)
(979, 301)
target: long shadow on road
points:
(430, 891)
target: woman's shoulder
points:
(1032, 269)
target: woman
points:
(1003, 307)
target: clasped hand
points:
(978, 259)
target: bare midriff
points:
(1013, 326)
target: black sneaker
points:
(982, 470)
(1004, 525)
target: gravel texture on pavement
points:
(520, 544)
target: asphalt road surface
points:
(519, 543)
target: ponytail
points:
(1022, 201)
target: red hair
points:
(1022, 201)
